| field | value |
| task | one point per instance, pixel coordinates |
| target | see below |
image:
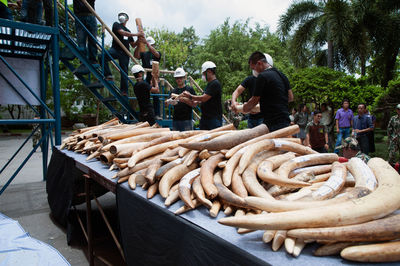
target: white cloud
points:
(203, 15)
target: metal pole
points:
(44, 127)
(56, 78)
(89, 218)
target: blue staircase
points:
(94, 80)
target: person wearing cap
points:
(142, 90)
(248, 84)
(116, 51)
(272, 91)
(183, 107)
(147, 62)
(211, 107)
(82, 36)
(393, 131)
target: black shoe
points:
(95, 85)
(66, 54)
(82, 70)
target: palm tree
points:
(320, 30)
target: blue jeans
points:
(208, 124)
(344, 132)
(82, 36)
(182, 125)
(123, 61)
(5, 12)
(254, 122)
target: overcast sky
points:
(203, 15)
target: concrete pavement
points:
(25, 200)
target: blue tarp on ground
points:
(17, 247)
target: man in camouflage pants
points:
(393, 131)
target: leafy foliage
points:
(321, 84)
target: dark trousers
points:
(320, 150)
(363, 142)
(208, 124)
(5, 12)
(254, 122)
(148, 116)
(274, 127)
(123, 60)
(156, 99)
(82, 36)
(182, 125)
(31, 11)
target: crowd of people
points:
(268, 87)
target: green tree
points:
(321, 84)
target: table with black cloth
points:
(153, 235)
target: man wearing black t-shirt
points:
(248, 84)
(142, 91)
(211, 107)
(182, 119)
(147, 62)
(126, 37)
(272, 91)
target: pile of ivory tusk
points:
(263, 181)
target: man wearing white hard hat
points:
(147, 61)
(116, 51)
(142, 91)
(183, 107)
(249, 84)
(272, 91)
(211, 107)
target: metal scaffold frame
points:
(31, 41)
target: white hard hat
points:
(207, 65)
(123, 14)
(150, 40)
(179, 72)
(269, 60)
(137, 68)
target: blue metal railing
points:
(34, 41)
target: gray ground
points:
(25, 200)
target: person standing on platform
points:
(362, 124)
(211, 106)
(344, 122)
(183, 107)
(142, 91)
(147, 62)
(126, 37)
(89, 21)
(32, 11)
(272, 91)
(393, 131)
(317, 134)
